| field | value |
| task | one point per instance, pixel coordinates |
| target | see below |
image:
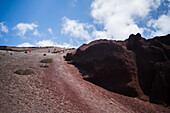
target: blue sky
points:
(70, 23)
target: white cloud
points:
(161, 25)
(101, 35)
(3, 28)
(65, 45)
(45, 43)
(26, 44)
(50, 30)
(24, 27)
(118, 16)
(75, 29)
(36, 33)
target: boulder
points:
(108, 65)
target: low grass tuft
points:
(24, 71)
(44, 66)
(46, 60)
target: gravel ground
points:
(57, 88)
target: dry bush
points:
(24, 71)
(46, 60)
(0, 57)
(3, 54)
(44, 66)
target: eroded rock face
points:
(160, 86)
(152, 59)
(131, 67)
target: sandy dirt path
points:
(58, 88)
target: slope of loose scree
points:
(135, 67)
(57, 87)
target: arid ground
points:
(57, 87)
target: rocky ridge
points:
(135, 67)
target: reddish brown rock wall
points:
(134, 67)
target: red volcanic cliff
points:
(135, 67)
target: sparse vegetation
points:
(3, 54)
(44, 66)
(24, 71)
(46, 60)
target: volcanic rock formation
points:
(135, 67)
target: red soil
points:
(58, 88)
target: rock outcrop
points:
(135, 67)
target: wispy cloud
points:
(3, 28)
(24, 27)
(50, 30)
(74, 2)
(36, 33)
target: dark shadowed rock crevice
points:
(135, 67)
